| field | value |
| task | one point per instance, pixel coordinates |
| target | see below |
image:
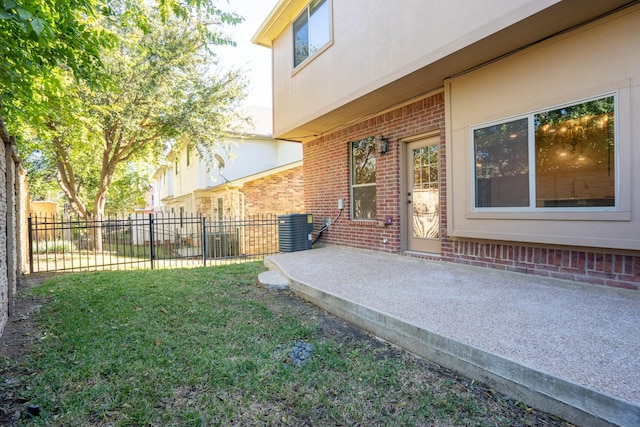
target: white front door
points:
(423, 195)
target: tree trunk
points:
(66, 177)
(98, 212)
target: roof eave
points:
(280, 17)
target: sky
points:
(254, 60)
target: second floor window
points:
(311, 31)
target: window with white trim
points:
(311, 30)
(563, 157)
(363, 179)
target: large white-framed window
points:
(561, 158)
(363, 179)
(311, 30)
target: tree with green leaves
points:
(40, 35)
(155, 89)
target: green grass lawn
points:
(206, 346)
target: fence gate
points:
(147, 241)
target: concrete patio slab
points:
(569, 349)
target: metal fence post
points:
(129, 225)
(152, 243)
(204, 240)
(30, 237)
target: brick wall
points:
(4, 283)
(326, 172)
(12, 187)
(620, 270)
(275, 194)
(279, 193)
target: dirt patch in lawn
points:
(19, 334)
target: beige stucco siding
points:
(597, 59)
(393, 39)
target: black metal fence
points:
(143, 241)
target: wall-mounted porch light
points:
(382, 144)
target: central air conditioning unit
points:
(294, 232)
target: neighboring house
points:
(499, 134)
(260, 176)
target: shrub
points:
(52, 246)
